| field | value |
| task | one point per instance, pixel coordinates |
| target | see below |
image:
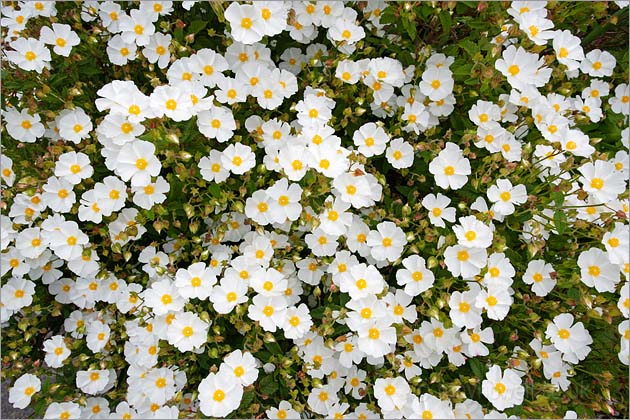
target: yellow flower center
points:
(246, 23)
(594, 271)
(374, 333)
(167, 299)
(187, 332)
(390, 389)
(500, 388)
(30, 55)
(294, 321)
(361, 284)
(268, 310)
(141, 164)
(514, 70)
(449, 171)
(138, 29)
(462, 255)
(470, 235)
(464, 307)
(597, 183)
(366, 313)
(491, 300)
(171, 105)
(537, 277)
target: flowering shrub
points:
(315, 209)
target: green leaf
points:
(560, 221)
(470, 47)
(274, 348)
(267, 385)
(247, 399)
(478, 368)
(197, 26)
(445, 20)
(215, 190)
(558, 198)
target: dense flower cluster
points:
(301, 209)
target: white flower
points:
(163, 297)
(597, 271)
(502, 389)
(196, 281)
(473, 233)
(415, 276)
(238, 158)
(463, 311)
(187, 331)
(598, 63)
(29, 54)
(464, 261)
(73, 167)
(496, 300)
(146, 196)
(137, 27)
(211, 168)
(376, 338)
(23, 389)
(217, 122)
(437, 83)
(450, 168)
(505, 196)
(22, 126)
(137, 162)
(92, 381)
(572, 340)
(66, 410)
(56, 351)
(400, 154)
(246, 23)
(568, 49)
(386, 242)
(297, 322)
(220, 394)
(61, 36)
(362, 280)
(391, 393)
(438, 210)
(270, 311)
(242, 365)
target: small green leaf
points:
(267, 385)
(560, 221)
